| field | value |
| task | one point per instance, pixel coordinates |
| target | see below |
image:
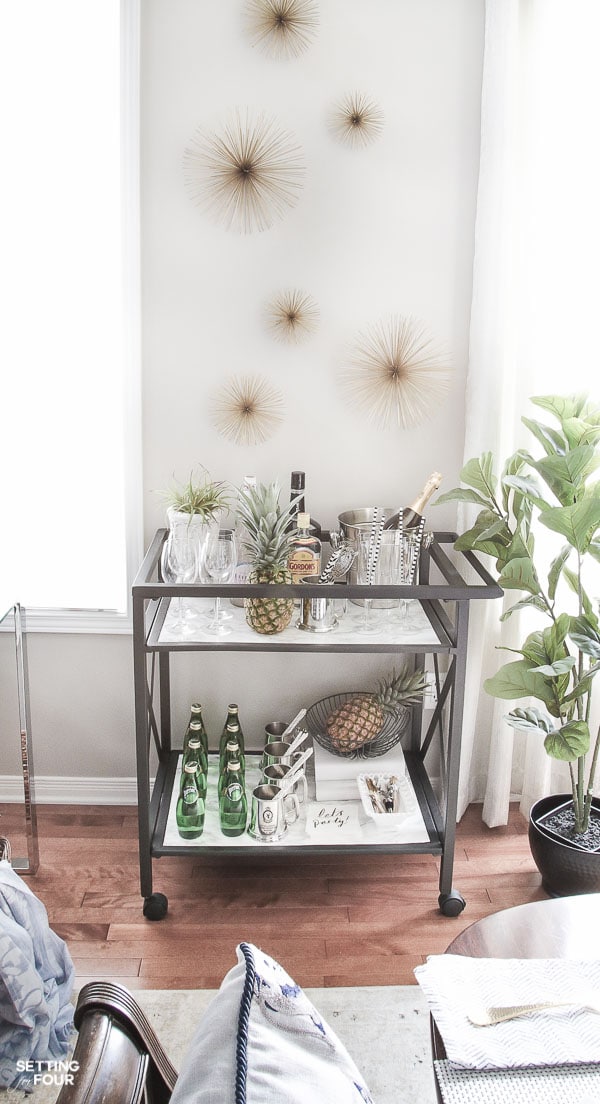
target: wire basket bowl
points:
(394, 726)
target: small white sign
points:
(332, 819)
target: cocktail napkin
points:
(454, 983)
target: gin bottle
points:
(190, 804)
(304, 560)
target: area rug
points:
(385, 1029)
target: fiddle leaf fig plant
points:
(558, 663)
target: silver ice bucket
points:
(356, 523)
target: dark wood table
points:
(563, 927)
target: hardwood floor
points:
(331, 920)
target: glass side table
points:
(29, 864)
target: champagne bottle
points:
(411, 516)
(190, 804)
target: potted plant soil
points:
(557, 664)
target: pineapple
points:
(360, 719)
(268, 545)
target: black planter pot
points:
(565, 869)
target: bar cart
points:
(444, 597)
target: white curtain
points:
(534, 320)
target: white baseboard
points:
(71, 791)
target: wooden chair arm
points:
(118, 1053)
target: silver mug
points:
(271, 813)
(278, 752)
(275, 775)
(274, 730)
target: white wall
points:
(384, 230)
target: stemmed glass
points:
(179, 564)
(407, 548)
(219, 557)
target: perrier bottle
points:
(195, 738)
(196, 718)
(190, 804)
(232, 752)
(195, 754)
(233, 806)
(232, 727)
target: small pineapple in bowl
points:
(267, 540)
(363, 723)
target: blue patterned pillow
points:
(262, 1040)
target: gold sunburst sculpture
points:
(247, 410)
(247, 175)
(356, 120)
(282, 28)
(396, 373)
(292, 315)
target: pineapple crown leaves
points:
(405, 688)
(266, 538)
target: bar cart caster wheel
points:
(155, 906)
(452, 903)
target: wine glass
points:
(219, 557)
(407, 548)
(179, 564)
(366, 621)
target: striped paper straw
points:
(325, 575)
(375, 541)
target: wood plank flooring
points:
(331, 920)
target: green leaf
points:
(527, 486)
(527, 719)
(519, 574)
(556, 568)
(594, 549)
(559, 667)
(585, 636)
(578, 522)
(517, 680)
(550, 439)
(566, 475)
(533, 600)
(513, 466)
(569, 742)
(562, 406)
(461, 494)
(471, 539)
(498, 528)
(478, 473)
(580, 432)
(573, 581)
(583, 686)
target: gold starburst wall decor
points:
(247, 410)
(247, 175)
(356, 120)
(396, 373)
(282, 28)
(292, 315)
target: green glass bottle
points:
(232, 753)
(233, 805)
(196, 718)
(233, 718)
(195, 753)
(195, 736)
(190, 804)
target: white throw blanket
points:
(36, 981)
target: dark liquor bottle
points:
(297, 497)
(190, 804)
(196, 718)
(195, 754)
(410, 516)
(233, 804)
